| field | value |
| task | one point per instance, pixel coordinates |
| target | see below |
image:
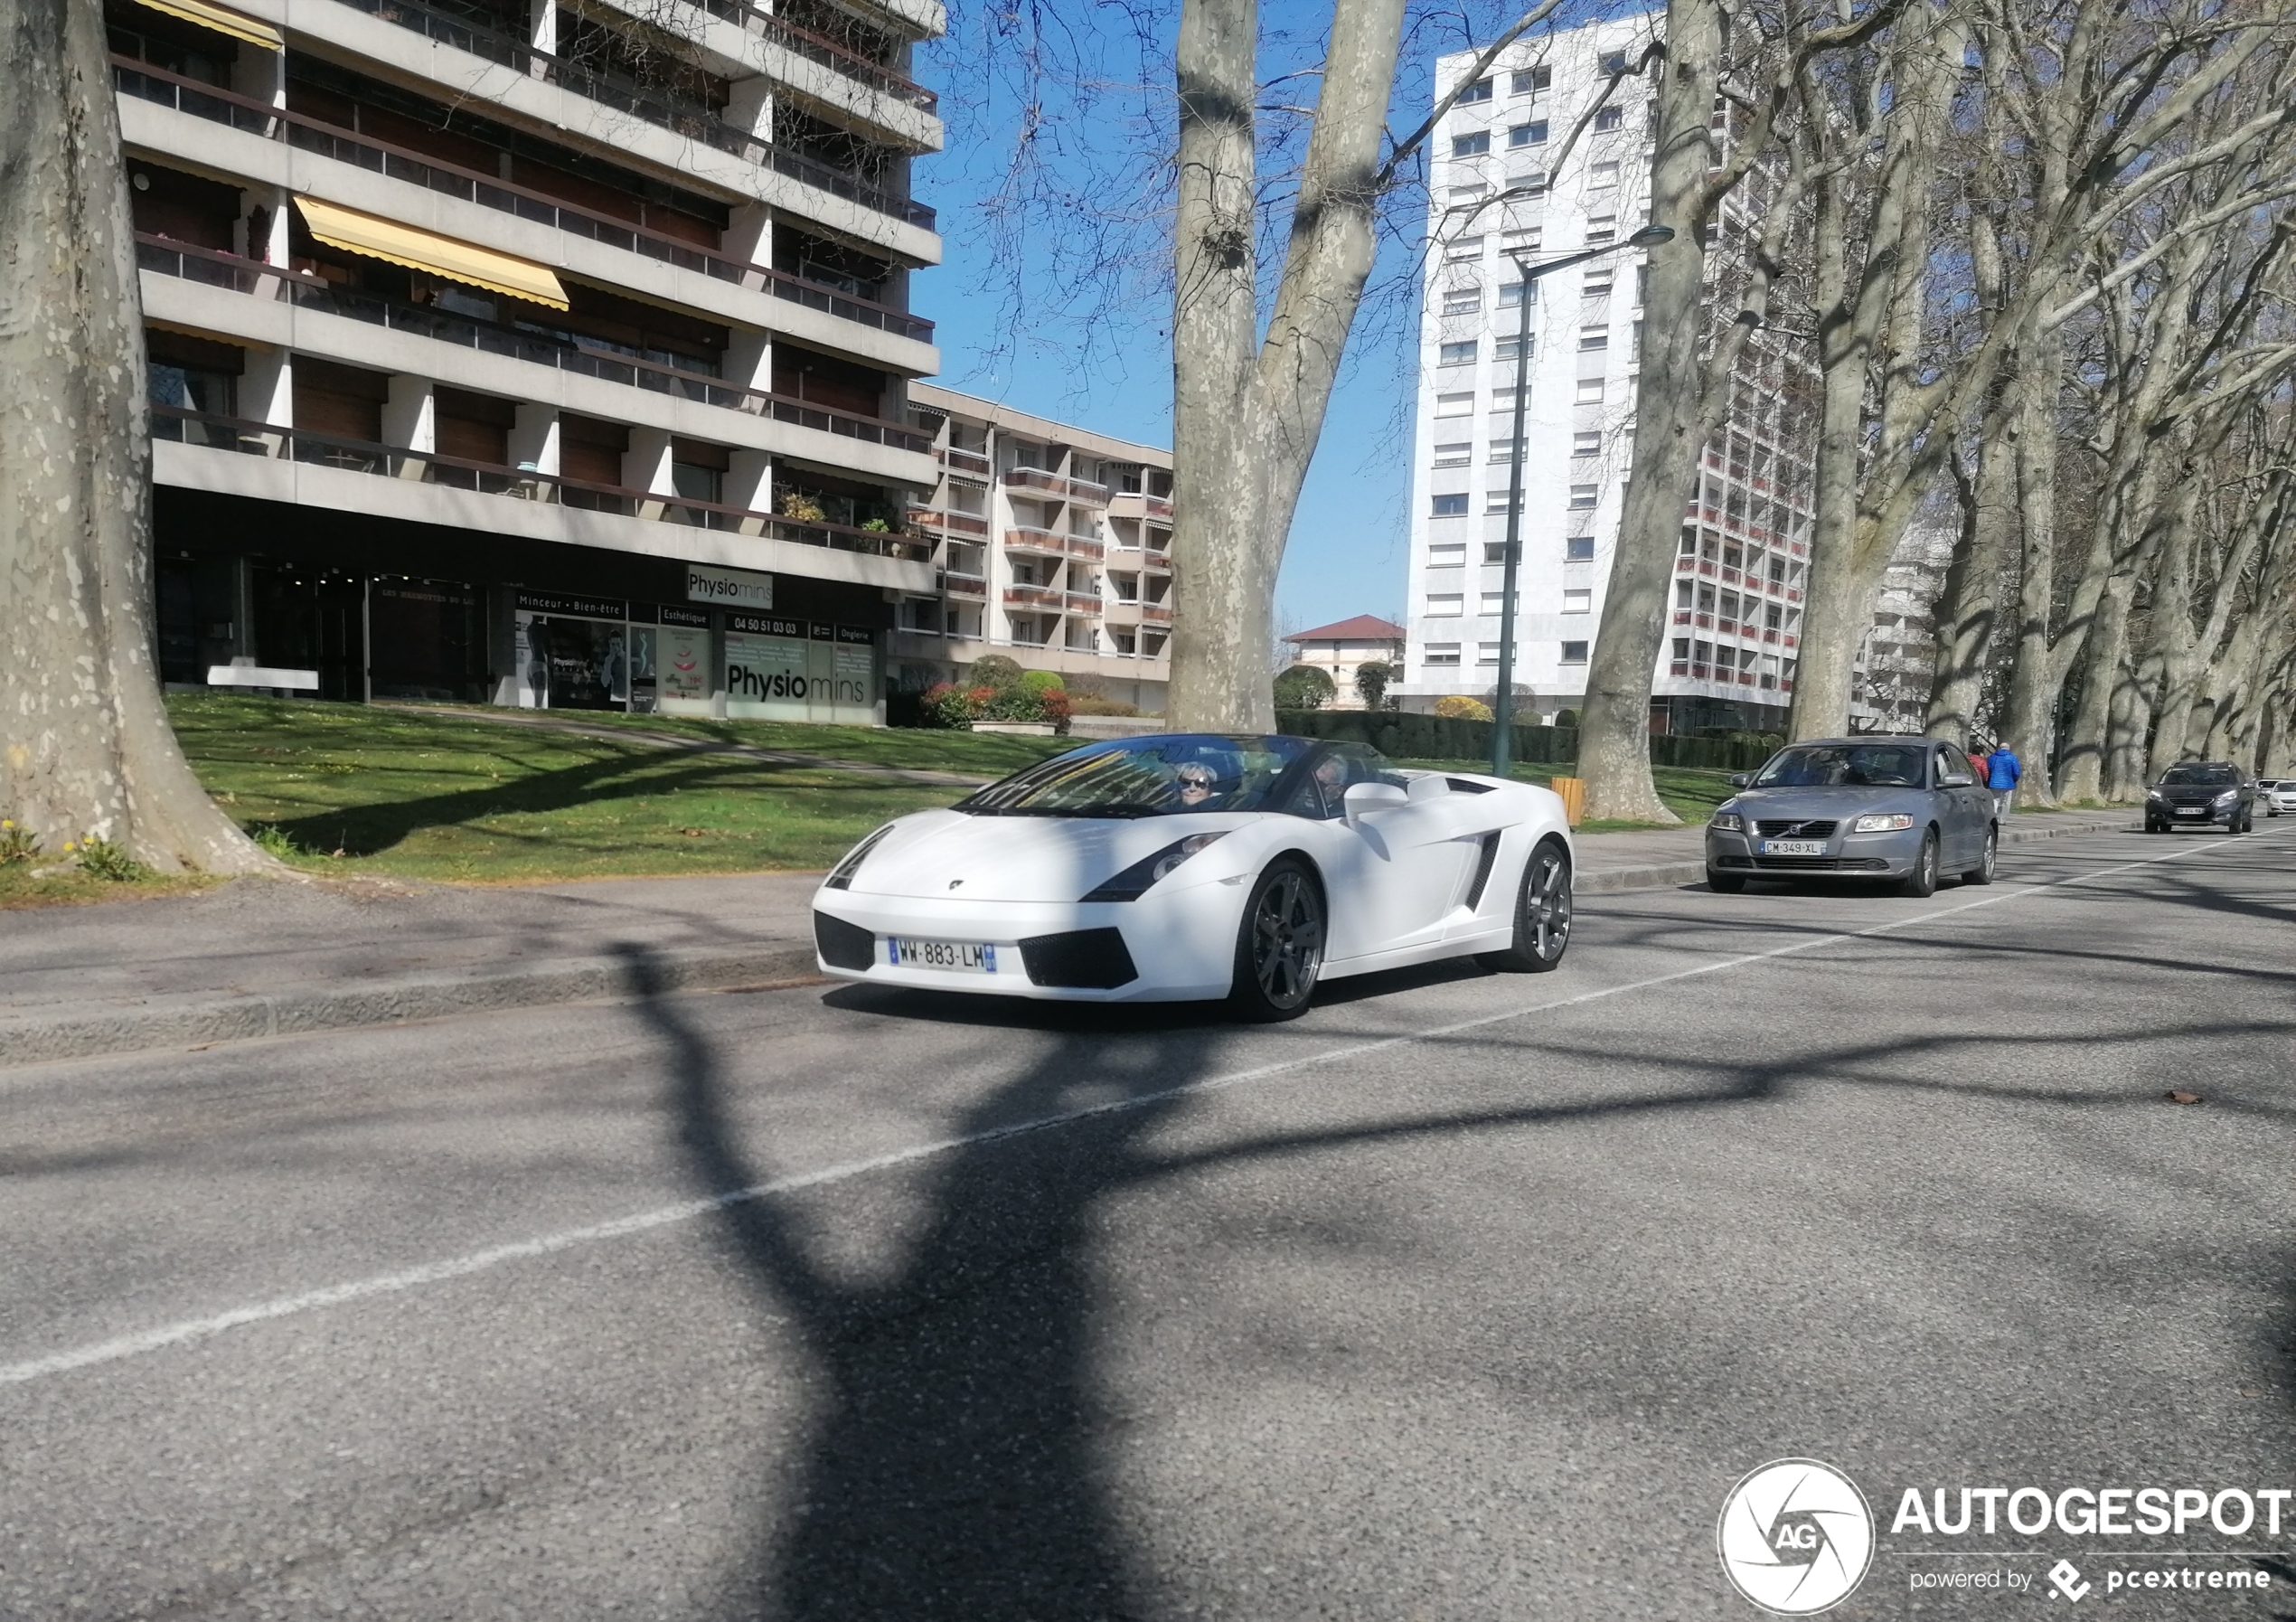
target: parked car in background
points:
(2276, 794)
(2201, 794)
(1906, 808)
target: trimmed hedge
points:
(1442, 738)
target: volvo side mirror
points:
(1741, 779)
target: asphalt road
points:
(1463, 1297)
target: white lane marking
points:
(479, 1261)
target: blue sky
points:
(1348, 542)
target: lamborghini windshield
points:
(1147, 777)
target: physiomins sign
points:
(732, 587)
(1797, 1537)
(782, 669)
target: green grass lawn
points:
(354, 788)
(1690, 792)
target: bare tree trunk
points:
(1613, 736)
(2038, 679)
(85, 747)
(1966, 610)
(2173, 654)
(1247, 415)
(2131, 714)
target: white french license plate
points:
(1794, 847)
(2192, 810)
(963, 957)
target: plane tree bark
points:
(85, 745)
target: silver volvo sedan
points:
(1900, 808)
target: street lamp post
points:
(1503, 705)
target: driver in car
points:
(1195, 784)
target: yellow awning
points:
(420, 249)
(223, 21)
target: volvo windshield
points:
(1845, 766)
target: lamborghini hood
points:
(949, 855)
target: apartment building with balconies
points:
(1051, 545)
(551, 356)
(1735, 622)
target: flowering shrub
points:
(1458, 706)
(957, 708)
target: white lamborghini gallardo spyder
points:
(1198, 865)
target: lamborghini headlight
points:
(841, 877)
(1133, 883)
(1882, 823)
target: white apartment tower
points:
(1054, 548)
(1496, 191)
(540, 351)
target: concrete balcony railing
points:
(1085, 490)
(233, 435)
(1155, 613)
(1137, 503)
(828, 52)
(964, 461)
(149, 83)
(260, 280)
(940, 521)
(1035, 543)
(954, 584)
(1036, 479)
(693, 119)
(1083, 602)
(1034, 596)
(1086, 546)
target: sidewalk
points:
(265, 957)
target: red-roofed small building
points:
(1340, 649)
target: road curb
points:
(238, 1019)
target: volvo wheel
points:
(1923, 880)
(1982, 874)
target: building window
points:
(1494, 552)
(1682, 648)
(1471, 146)
(1530, 183)
(1446, 605)
(1457, 355)
(1503, 451)
(1682, 594)
(1494, 603)
(1634, 344)
(1450, 507)
(1440, 652)
(1496, 502)
(1598, 234)
(1510, 296)
(1533, 134)
(1614, 61)
(1462, 301)
(1522, 240)
(1465, 248)
(1596, 282)
(1594, 338)
(1573, 652)
(1453, 455)
(1584, 496)
(1468, 195)
(1610, 117)
(1450, 554)
(1590, 391)
(1455, 405)
(1486, 653)
(1599, 175)
(1578, 599)
(1478, 91)
(1578, 549)
(1532, 80)
(1586, 445)
(1508, 351)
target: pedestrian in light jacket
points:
(2001, 773)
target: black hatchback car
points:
(2201, 794)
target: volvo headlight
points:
(1133, 883)
(1729, 822)
(841, 877)
(1882, 823)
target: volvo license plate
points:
(1794, 847)
(963, 957)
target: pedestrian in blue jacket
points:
(2001, 773)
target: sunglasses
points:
(1195, 779)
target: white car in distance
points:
(1188, 866)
